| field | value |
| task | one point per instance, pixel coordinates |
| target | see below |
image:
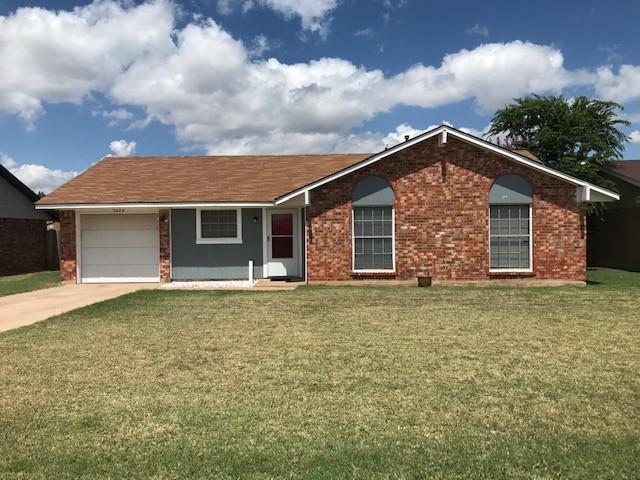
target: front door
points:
(282, 243)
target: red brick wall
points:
(23, 245)
(165, 246)
(68, 271)
(442, 215)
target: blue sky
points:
(277, 76)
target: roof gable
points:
(587, 192)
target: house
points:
(614, 237)
(23, 229)
(444, 202)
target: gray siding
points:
(191, 261)
(14, 204)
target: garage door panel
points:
(120, 273)
(119, 248)
(120, 238)
(120, 256)
(119, 222)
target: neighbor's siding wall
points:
(208, 261)
(614, 240)
(14, 204)
(442, 217)
(68, 246)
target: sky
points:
(81, 80)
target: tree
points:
(578, 136)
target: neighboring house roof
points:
(628, 171)
(15, 181)
(242, 179)
(140, 181)
(528, 154)
(22, 188)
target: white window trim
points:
(514, 270)
(218, 241)
(393, 244)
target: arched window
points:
(373, 225)
(510, 200)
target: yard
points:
(28, 282)
(330, 383)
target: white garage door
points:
(119, 248)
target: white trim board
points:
(218, 241)
(584, 195)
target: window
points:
(510, 237)
(219, 226)
(510, 243)
(373, 225)
(373, 238)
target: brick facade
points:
(442, 217)
(23, 246)
(68, 271)
(165, 245)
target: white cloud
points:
(6, 161)
(478, 29)
(61, 56)
(219, 94)
(122, 148)
(619, 87)
(314, 15)
(365, 32)
(311, 105)
(373, 142)
(114, 116)
(37, 177)
(261, 45)
(634, 137)
(493, 74)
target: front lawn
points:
(324, 382)
(28, 282)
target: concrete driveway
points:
(31, 307)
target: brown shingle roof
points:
(629, 168)
(529, 155)
(197, 179)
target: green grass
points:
(28, 282)
(609, 277)
(324, 383)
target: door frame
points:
(296, 237)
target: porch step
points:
(274, 284)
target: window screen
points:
(373, 238)
(219, 224)
(510, 236)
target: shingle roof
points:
(629, 168)
(529, 155)
(196, 179)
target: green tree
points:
(579, 136)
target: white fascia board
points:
(104, 206)
(359, 165)
(445, 131)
